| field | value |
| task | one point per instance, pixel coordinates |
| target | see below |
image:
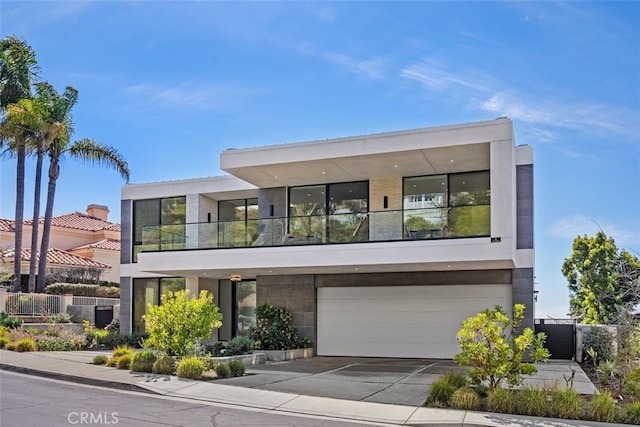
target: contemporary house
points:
(380, 245)
(77, 240)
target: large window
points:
(329, 213)
(148, 291)
(238, 222)
(455, 205)
(170, 213)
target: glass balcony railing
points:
(431, 223)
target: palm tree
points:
(84, 149)
(18, 67)
(43, 121)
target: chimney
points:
(98, 211)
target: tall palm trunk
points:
(54, 173)
(16, 286)
(33, 263)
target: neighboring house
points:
(380, 245)
(77, 240)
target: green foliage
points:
(465, 398)
(494, 353)
(164, 365)
(600, 340)
(60, 341)
(100, 359)
(440, 392)
(608, 371)
(122, 350)
(124, 361)
(9, 321)
(565, 404)
(455, 379)
(500, 400)
(222, 370)
(83, 290)
(23, 345)
(272, 330)
(143, 361)
(632, 415)
(598, 291)
(217, 349)
(602, 407)
(190, 367)
(179, 321)
(236, 367)
(239, 345)
(632, 384)
(4, 341)
(530, 401)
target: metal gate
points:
(561, 337)
(104, 315)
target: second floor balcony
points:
(383, 226)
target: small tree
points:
(179, 321)
(491, 344)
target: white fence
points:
(45, 304)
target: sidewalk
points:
(76, 366)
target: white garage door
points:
(400, 321)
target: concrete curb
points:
(76, 379)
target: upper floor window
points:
(454, 205)
(329, 212)
(237, 222)
(153, 212)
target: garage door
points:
(400, 321)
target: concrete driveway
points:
(381, 380)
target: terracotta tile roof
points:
(80, 221)
(108, 244)
(57, 256)
(7, 225)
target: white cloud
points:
(436, 78)
(580, 225)
(326, 14)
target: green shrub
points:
(25, 344)
(60, 341)
(100, 359)
(11, 346)
(59, 318)
(164, 365)
(4, 341)
(608, 370)
(465, 398)
(566, 404)
(83, 290)
(217, 349)
(632, 413)
(602, 407)
(632, 384)
(530, 401)
(143, 361)
(272, 330)
(239, 345)
(500, 400)
(600, 340)
(190, 367)
(122, 350)
(455, 379)
(124, 361)
(223, 370)
(180, 321)
(9, 321)
(440, 392)
(494, 347)
(237, 368)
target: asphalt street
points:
(28, 401)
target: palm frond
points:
(93, 152)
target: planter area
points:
(282, 355)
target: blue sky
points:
(172, 84)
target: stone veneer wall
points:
(297, 294)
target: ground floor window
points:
(237, 302)
(148, 291)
